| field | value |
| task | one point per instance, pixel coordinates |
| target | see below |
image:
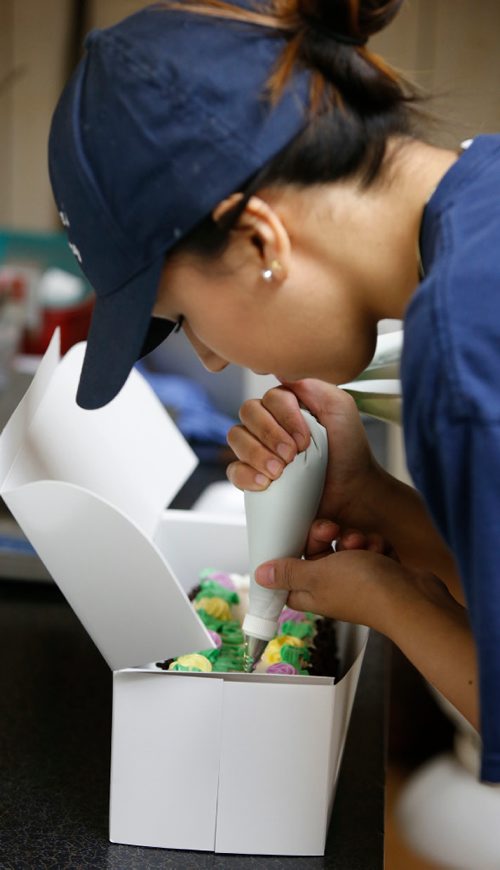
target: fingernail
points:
(265, 575)
(299, 440)
(326, 525)
(261, 479)
(274, 466)
(285, 451)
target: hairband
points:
(343, 38)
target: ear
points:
(261, 226)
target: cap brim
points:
(122, 330)
(159, 329)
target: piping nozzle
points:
(254, 647)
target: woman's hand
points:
(413, 608)
(348, 584)
(325, 536)
(273, 431)
(358, 493)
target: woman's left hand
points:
(350, 584)
(326, 534)
(369, 586)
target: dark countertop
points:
(55, 692)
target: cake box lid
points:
(88, 489)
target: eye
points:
(180, 321)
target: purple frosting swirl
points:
(289, 615)
(216, 637)
(223, 579)
(281, 668)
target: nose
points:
(207, 357)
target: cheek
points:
(258, 337)
(297, 335)
(231, 331)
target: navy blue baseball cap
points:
(165, 116)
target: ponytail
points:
(329, 37)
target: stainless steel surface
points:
(254, 647)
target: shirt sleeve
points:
(459, 477)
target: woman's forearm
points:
(413, 608)
(396, 511)
(433, 631)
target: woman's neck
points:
(414, 171)
(374, 232)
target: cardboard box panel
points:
(129, 453)
(116, 580)
(193, 541)
(165, 760)
(351, 640)
(273, 787)
(273, 746)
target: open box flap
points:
(129, 452)
(14, 431)
(117, 581)
(88, 488)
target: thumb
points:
(298, 576)
(352, 585)
(323, 400)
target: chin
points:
(290, 379)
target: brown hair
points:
(357, 101)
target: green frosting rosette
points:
(301, 630)
(212, 589)
(228, 660)
(295, 655)
(211, 654)
(231, 634)
(211, 622)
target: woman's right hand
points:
(273, 431)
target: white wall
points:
(450, 46)
(33, 37)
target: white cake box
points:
(241, 763)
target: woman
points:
(253, 175)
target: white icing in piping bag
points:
(278, 522)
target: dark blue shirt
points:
(451, 387)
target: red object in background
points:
(73, 320)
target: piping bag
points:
(278, 522)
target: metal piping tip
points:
(254, 647)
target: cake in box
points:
(304, 643)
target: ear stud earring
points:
(270, 271)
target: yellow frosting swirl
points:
(215, 606)
(272, 652)
(192, 660)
